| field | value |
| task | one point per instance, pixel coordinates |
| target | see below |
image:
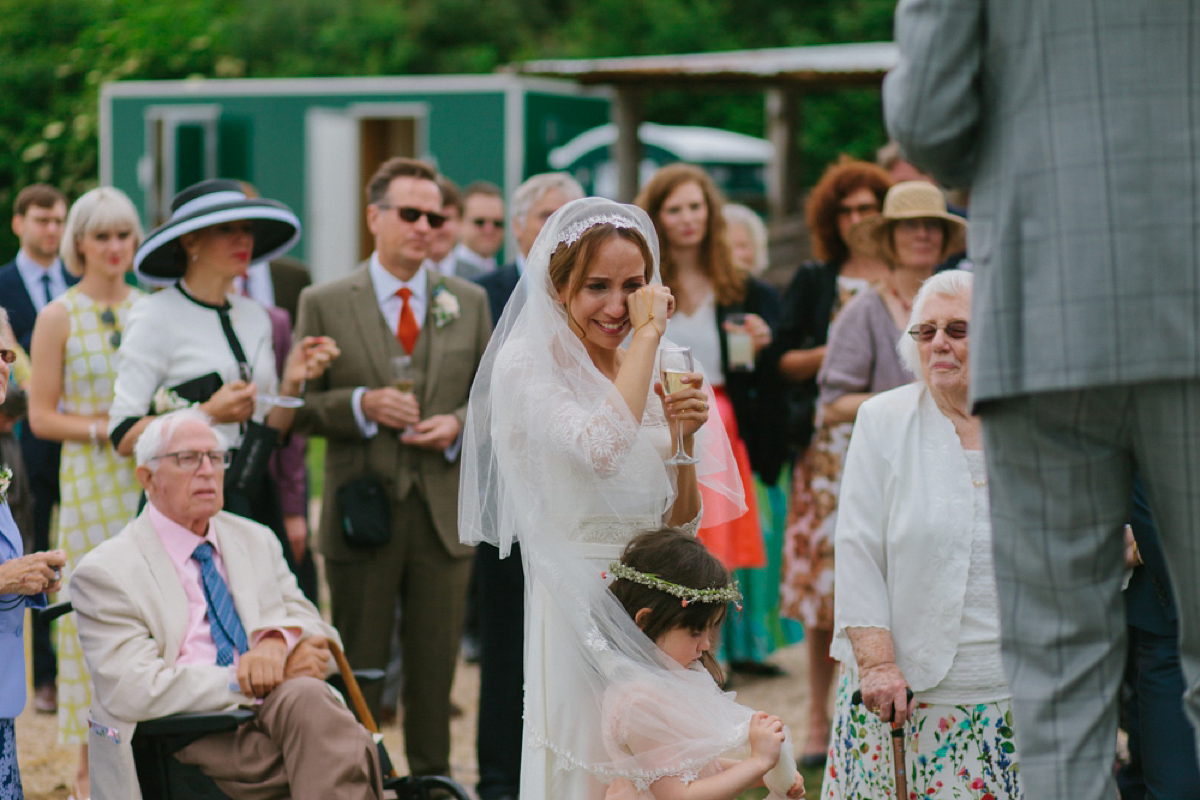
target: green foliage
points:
(56, 54)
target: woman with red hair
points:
(848, 192)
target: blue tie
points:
(46, 287)
(227, 631)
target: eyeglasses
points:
(866, 209)
(483, 222)
(109, 318)
(8, 356)
(190, 459)
(955, 329)
(410, 214)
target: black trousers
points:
(501, 611)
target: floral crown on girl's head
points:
(686, 594)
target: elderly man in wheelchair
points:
(193, 609)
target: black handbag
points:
(251, 459)
(363, 507)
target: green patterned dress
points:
(99, 489)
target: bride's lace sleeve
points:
(693, 527)
(594, 435)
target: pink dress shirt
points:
(198, 646)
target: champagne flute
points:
(675, 363)
(403, 378)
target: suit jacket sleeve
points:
(483, 332)
(131, 680)
(932, 100)
(327, 410)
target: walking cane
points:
(897, 745)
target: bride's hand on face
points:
(688, 406)
(651, 304)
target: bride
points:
(566, 437)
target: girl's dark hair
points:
(678, 558)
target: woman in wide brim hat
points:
(198, 342)
(910, 203)
(161, 260)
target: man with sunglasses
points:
(398, 445)
(190, 608)
(481, 234)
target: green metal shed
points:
(314, 142)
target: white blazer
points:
(132, 614)
(903, 538)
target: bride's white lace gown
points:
(603, 480)
(553, 458)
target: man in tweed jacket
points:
(1076, 126)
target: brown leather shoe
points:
(45, 698)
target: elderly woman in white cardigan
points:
(915, 597)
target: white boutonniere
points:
(5, 480)
(166, 401)
(445, 306)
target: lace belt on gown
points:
(603, 538)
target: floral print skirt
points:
(806, 591)
(10, 778)
(952, 751)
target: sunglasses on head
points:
(410, 215)
(955, 329)
(109, 318)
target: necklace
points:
(906, 305)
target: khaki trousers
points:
(303, 744)
(431, 586)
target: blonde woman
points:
(74, 367)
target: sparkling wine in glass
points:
(675, 363)
(402, 374)
(404, 378)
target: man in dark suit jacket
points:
(500, 583)
(404, 443)
(34, 277)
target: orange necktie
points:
(407, 331)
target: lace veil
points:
(553, 458)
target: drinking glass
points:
(675, 363)
(403, 378)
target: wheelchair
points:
(156, 741)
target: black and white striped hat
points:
(212, 202)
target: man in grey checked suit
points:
(1076, 126)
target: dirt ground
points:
(48, 769)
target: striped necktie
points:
(227, 631)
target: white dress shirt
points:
(386, 285)
(257, 283)
(486, 264)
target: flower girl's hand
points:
(797, 790)
(766, 738)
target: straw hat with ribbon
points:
(909, 200)
(160, 259)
